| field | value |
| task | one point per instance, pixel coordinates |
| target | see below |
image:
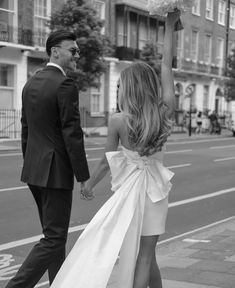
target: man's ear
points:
(54, 52)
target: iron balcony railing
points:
(22, 36)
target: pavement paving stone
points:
(179, 274)
(183, 252)
(215, 246)
(216, 266)
(223, 280)
(180, 284)
(230, 259)
(176, 262)
(212, 255)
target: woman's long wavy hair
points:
(139, 98)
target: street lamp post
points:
(227, 38)
(190, 91)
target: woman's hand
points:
(86, 194)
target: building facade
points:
(23, 32)
(201, 50)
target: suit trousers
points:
(54, 207)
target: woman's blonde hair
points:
(139, 99)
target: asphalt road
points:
(203, 194)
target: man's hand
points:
(85, 193)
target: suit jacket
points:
(52, 139)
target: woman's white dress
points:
(138, 207)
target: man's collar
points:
(57, 66)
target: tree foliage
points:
(151, 56)
(81, 18)
(230, 83)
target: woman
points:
(131, 221)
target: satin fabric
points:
(116, 228)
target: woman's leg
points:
(155, 280)
(144, 264)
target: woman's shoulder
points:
(117, 118)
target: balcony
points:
(200, 67)
(23, 37)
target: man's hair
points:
(57, 37)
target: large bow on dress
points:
(116, 228)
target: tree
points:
(150, 55)
(230, 83)
(81, 18)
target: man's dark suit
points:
(53, 151)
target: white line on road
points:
(201, 197)
(13, 188)
(224, 159)
(222, 147)
(179, 166)
(95, 159)
(178, 142)
(10, 154)
(94, 149)
(178, 151)
(29, 240)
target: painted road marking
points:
(179, 151)
(178, 142)
(222, 147)
(95, 159)
(179, 166)
(201, 197)
(29, 240)
(224, 159)
(13, 188)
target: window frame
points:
(198, 11)
(99, 92)
(222, 12)
(209, 9)
(39, 40)
(196, 46)
(209, 58)
(219, 58)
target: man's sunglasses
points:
(73, 51)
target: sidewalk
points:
(200, 260)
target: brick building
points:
(200, 52)
(22, 41)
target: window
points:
(232, 16)
(100, 9)
(143, 32)
(41, 16)
(179, 43)
(221, 12)
(220, 52)
(205, 97)
(97, 99)
(7, 20)
(194, 45)
(196, 7)
(209, 9)
(208, 46)
(132, 31)
(121, 33)
(6, 85)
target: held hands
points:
(85, 193)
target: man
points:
(53, 151)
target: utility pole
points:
(227, 37)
